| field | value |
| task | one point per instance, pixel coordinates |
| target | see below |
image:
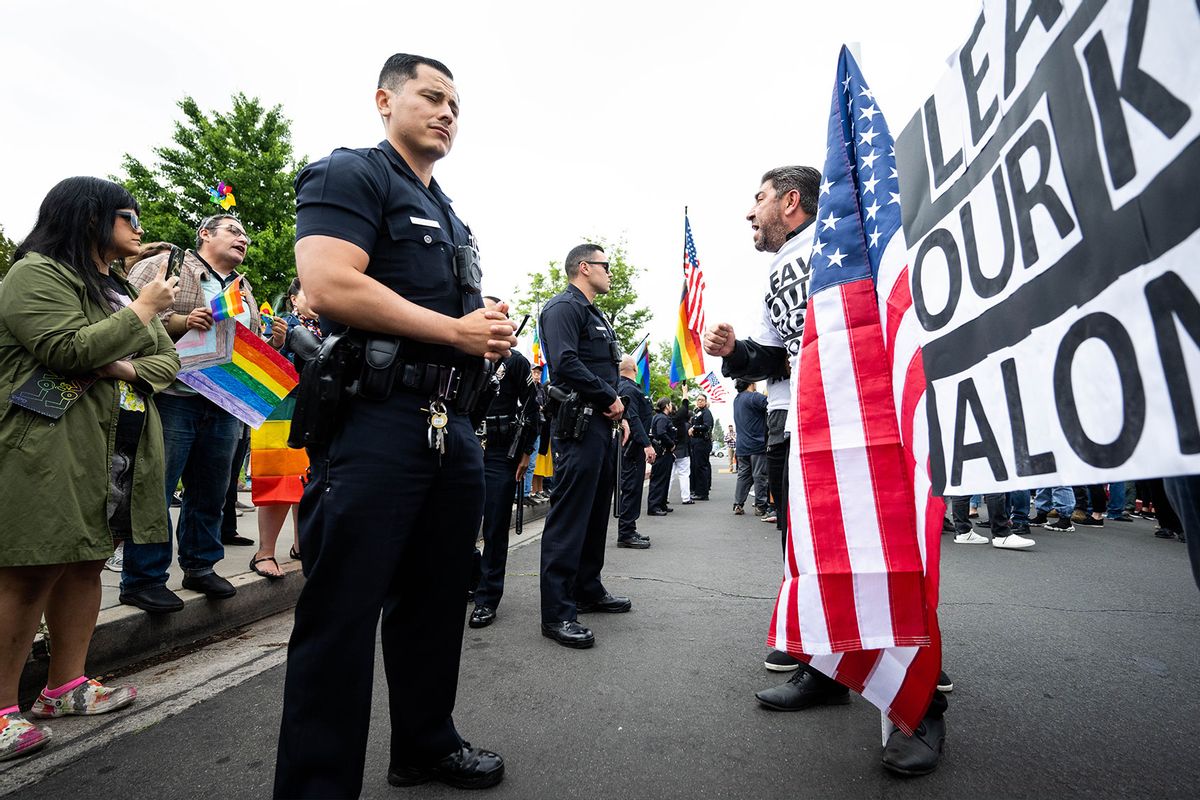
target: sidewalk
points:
(126, 635)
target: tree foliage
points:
(7, 248)
(250, 149)
(619, 306)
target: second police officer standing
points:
(509, 430)
(634, 456)
(700, 444)
(583, 354)
(390, 514)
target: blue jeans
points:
(199, 440)
(1059, 498)
(532, 464)
(1019, 500)
(1116, 499)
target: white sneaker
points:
(970, 538)
(116, 562)
(1012, 542)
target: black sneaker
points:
(944, 684)
(1061, 525)
(1040, 520)
(779, 661)
(1089, 521)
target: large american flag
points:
(859, 595)
(710, 384)
(694, 279)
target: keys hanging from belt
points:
(438, 420)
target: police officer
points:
(634, 456)
(700, 444)
(395, 498)
(583, 354)
(662, 437)
(510, 429)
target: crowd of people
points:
(434, 423)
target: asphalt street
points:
(1076, 668)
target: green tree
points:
(7, 248)
(250, 149)
(619, 305)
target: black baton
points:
(520, 505)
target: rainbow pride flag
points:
(687, 357)
(250, 384)
(228, 303)
(641, 357)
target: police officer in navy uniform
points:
(662, 437)
(583, 354)
(395, 498)
(700, 445)
(634, 456)
(509, 431)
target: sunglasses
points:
(599, 264)
(132, 216)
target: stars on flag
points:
(869, 159)
(830, 222)
(826, 186)
(836, 257)
(869, 186)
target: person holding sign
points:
(82, 354)
(201, 437)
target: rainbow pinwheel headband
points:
(222, 195)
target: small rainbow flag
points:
(228, 303)
(641, 357)
(687, 354)
(251, 384)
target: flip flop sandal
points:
(254, 562)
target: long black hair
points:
(74, 223)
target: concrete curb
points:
(126, 635)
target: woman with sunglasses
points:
(81, 447)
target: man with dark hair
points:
(634, 456)
(662, 437)
(395, 499)
(750, 417)
(509, 429)
(581, 348)
(700, 444)
(784, 208)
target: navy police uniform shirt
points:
(514, 394)
(638, 412)
(371, 198)
(580, 347)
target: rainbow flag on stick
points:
(641, 357)
(228, 303)
(687, 357)
(250, 384)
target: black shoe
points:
(738, 510)
(944, 684)
(155, 600)
(947, 526)
(236, 541)
(1163, 533)
(918, 754)
(569, 634)
(1122, 518)
(636, 542)
(609, 604)
(701, 499)
(212, 585)
(1089, 521)
(688, 503)
(803, 690)
(482, 616)
(669, 510)
(987, 523)
(465, 768)
(779, 661)
(1040, 520)
(656, 513)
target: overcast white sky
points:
(577, 119)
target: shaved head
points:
(628, 366)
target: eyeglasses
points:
(236, 231)
(599, 264)
(132, 216)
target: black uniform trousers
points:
(500, 491)
(574, 535)
(633, 479)
(701, 477)
(384, 525)
(660, 482)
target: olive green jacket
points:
(54, 474)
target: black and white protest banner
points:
(1051, 187)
